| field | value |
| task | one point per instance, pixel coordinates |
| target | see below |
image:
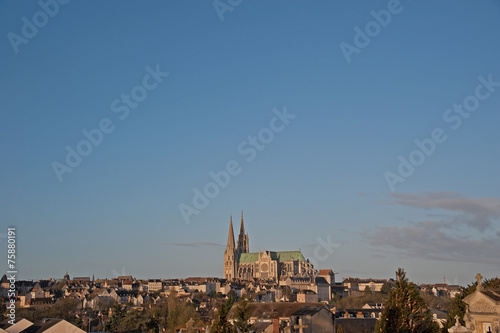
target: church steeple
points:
(230, 237)
(242, 238)
(242, 227)
(230, 255)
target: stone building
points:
(311, 319)
(267, 265)
(483, 309)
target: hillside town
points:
(90, 302)
(276, 292)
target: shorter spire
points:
(242, 228)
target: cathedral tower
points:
(230, 255)
(242, 238)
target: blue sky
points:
(322, 178)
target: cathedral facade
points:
(240, 264)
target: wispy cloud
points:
(477, 213)
(194, 244)
(444, 238)
(431, 240)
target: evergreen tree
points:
(386, 288)
(340, 329)
(242, 316)
(457, 309)
(221, 324)
(405, 310)
(113, 321)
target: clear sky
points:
(311, 106)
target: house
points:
(439, 290)
(20, 324)
(81, 279)
(154, 285)
(442, 290)
(340, 289)
(307, 296)
(38, 292)
(297, 283)
(127, 285)
(125, 278)
(439, 317)
(364, 312)
(311, 319)
(323, 289)
(42, 326)
(280, 311)
(372, 306)
(454, 290)
(33, 302)
(328, 275)
(264, 327)
(4, 283)
(356, 284)
(50, 326)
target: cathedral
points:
(267, 265)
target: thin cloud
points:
(430, 240)
(194, 244)
(444, 238)
(477, 213)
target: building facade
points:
(240, 264)
(483, 309)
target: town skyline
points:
(322, 245)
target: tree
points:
(457, 309)
(221, 324)
(340, 329)
(3, 307)
(405, 310)
(242, 316)
(113, 322)
(386, 288)
(179, 312)
(232, 294)
(287, 293)
(64, 308)
(367, 290)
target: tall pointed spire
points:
(242, 246)
(230, 237)
(242, 227)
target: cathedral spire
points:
(230, 237)
(242, 227)
(242, 246)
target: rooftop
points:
(280, 256)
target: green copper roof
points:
(248, 257)
(280, 256)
